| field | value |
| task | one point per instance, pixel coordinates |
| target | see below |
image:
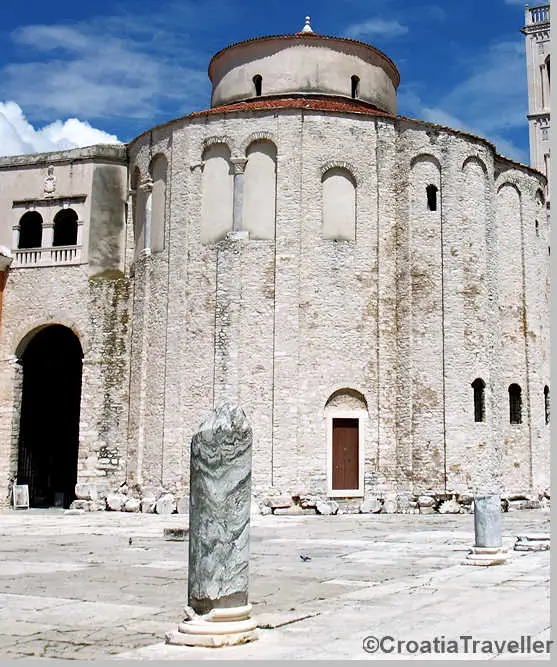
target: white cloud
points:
(127, 65)
(494, 94)
(18, 136)
(376, 28)
(99, 75)
(489, 100)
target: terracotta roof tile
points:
(319, 104)
(333, 104)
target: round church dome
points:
(306, 64)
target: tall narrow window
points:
(537, 229)
(515, 404)
(431, 192)
(546, 403)
(479, 400)
(258, 83)
(30, 230)
(355, 86)
(65, 227)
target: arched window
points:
(30, 230)
(515, 404)
(479, 400)
(258, 83)
(339, 204)
(355, 86)
(65, 227)
(431, 193)
(546, 403)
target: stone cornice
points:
(536, 28)
(102, 152)
(48, 201)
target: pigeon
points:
(304, 557)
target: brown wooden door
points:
(345, 454)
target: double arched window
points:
(60, 231)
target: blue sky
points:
(119, 67)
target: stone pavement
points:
(73, 587)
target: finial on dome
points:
(307, 27)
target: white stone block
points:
(166, 504)
(148, 504)
(132, 505)
(115, 501)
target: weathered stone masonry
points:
(373, 308)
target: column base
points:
(220, 627)
(486, 556)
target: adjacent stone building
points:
(537, 32)
(373, 290)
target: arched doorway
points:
(346, 416)
(49, 422)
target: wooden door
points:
(345, 454)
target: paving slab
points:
(73, 587)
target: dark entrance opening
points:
(49, 423)
(345, 454)
(65, 227)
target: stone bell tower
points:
(537, 33)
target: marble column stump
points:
(488, 549)
(218, 612)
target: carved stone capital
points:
(238, 164)
(146, 185)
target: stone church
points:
(373, 291)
